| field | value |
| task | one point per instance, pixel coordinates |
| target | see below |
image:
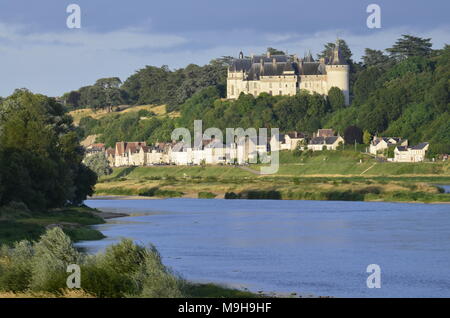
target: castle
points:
(287, 74)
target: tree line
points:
(150, 85)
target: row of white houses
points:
(214, 152)
(211, 151)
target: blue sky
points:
(39, 52)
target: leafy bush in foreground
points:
(122, 270)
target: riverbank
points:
(327, 175)
(76, 222)
(421, 189)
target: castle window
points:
(281, 93)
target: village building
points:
(411, 154)
(94, 149)
(292, 140)
(325, 139)
(110, 154)
(380, 144)
(129, 154)
(324, 133)
(287, 74)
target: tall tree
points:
(273, 51)
(336, 99)
(375, 58)
(345, 51)
(408, 46)
(353, 134)
(40, 157)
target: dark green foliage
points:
(255, 195)
(156, 192)
(40, 154)
(231, 196)
(273, 51)
(336, 99)
(106, 92)
(352, 135)
(206, 195)
(375, 58)
(153, 85)
(409, 46)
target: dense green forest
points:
(150, 85)
(403, 92)
(40, 155)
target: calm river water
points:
(308, 247)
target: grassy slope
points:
(74, 222)
(159, 110)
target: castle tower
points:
(338, 73)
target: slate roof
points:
(387, 140)
(323, 140)
(276, 65)
(420, 146)
(402, 148)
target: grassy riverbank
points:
(38, 269)
(339, 175)
(75, 222)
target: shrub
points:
(52, 254)
(206, 195)
(231, 196)
(124, 269)
(155, 280)
(15, 271)
(14, 210)
(371, 190)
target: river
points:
(308, 247)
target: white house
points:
(328, 143)
(292, 140)
(380, 144)
(411, 154)
(181, 154)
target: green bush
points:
(52, 254)
(231, 196)
(15, 272)
(206, 195)
(122, 270)
(14, 210)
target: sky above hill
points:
(116, 38)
